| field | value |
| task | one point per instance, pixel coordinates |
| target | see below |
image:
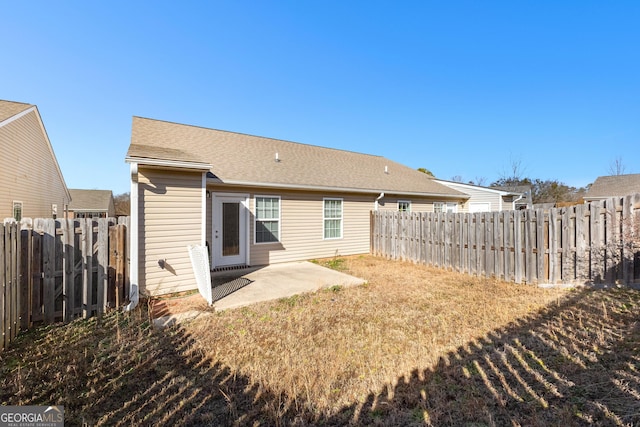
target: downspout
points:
(134, 296)
(377, 199)
(513, 204)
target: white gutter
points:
(168, 163)
(377, 199)
(203, 237)
(336, 189)
(134, 296)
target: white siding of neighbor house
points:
(480, 195)
(29, 171)
(171, 218)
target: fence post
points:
(24, 272)
(15, 279)
(530, 244)
(48, 268)
(103, 265)
(3, 292)
(86, 230)
(68, 252)
(596, 269)
(630, 230)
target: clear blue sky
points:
(459, 87)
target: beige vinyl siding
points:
(418, 204)
(170, 206)
(29, 171)
(302, 232)
(301, 226)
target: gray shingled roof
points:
(90, 200)
(10, 109)
(245, 159)
(614, 186)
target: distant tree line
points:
(544, 191)
(122, 204)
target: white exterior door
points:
(230, 225)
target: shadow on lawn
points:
(574, 363)
(121, 371)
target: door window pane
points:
(230, 229)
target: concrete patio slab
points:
(252, 285)
(281, 281)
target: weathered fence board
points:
(57, 270)
(597, 243)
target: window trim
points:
(256, 220)
(408, 202)
(445, 207)
(324, 219)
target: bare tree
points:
(617, 167)
(122, 204)
(480, 181)
(516, 171)
(456, 178)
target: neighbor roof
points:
(10, 109)
(90, 200)
(236, 158)
(503, 192)
(613, 186)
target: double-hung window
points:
(267, 219)
(332, 218)
(445, 207)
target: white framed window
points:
(445, 207)
(332, 218)
(404, 205)
(267, 219)
(17, 210)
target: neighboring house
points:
(484, 199)
(31, 183)
(91, 204)
(254, 200)
(613, 186)
(524, 202)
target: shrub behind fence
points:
(596, 243)
(57, 270)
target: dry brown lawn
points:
(414, 346)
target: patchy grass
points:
(415, 346)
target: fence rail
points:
(57, 270)
(596, 243)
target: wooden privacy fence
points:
(57, 270)
(596, 243)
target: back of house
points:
(255, 201)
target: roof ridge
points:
(17, 102)
(262, 137)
